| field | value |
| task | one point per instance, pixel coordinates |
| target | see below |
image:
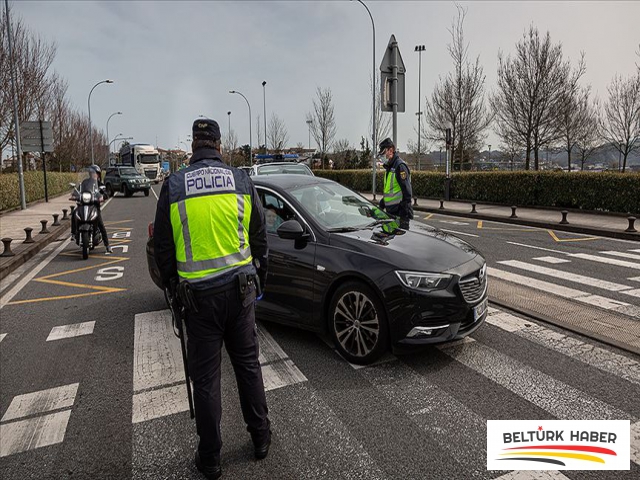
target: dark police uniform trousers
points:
(225, 317)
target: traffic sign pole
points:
(44, 165)
(394, 89)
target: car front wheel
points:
(358, 323)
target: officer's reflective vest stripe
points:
(392, 190)
(210, 233)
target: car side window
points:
(276, 211)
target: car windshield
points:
(128, 171)
(337, 208)
(148, 158)
(276, 169)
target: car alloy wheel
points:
(358, 323)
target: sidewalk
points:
(600, 224)
(12, 225)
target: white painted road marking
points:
(533, 475)
(278, 370)
(537, 248)
(41, 402)
(7, 297)
(16, 437)
(2, 335)
(609, 261)
(159, 403)
(571, 277)
(68, 331)
(592, 355)
(630, 256)
(552, 260)
(107, 274)
(634, 279)
(154, 193)
(566, 292)
(635, 442)
(459, 233)
(453, 222)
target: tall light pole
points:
(250, 144)
(264, 102)
(90, 126)
(16, 124)
(309, 122)
(229, 127)
(419, 49)
(109, 150)
(373, 104)
(489, 153)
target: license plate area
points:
(480, 309)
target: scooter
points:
(87, 232)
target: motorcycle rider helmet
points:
(95, 168)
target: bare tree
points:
(458, 99)
(231, 144)
(277, 134)
(573, 118)
(323, 123)
(529, 92)
(589, 138)
(621, 121)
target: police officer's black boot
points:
(261, 442)
(211, 472)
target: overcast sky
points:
(172, 61)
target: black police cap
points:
(386, 143)
(205, 129)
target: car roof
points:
(287, 181)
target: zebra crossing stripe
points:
(68, 331)
(559, 399)
(609, 261)
(634, 279)
(23, 435)
(630, 256)
(277, 368)
(552, 260)
(635, 442)
(158, 403)
(566, 292)
(41, 402)
(605, 360)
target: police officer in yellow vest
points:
(397, 184)
(210, 237)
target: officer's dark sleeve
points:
(258, 237)
(405, 186)
(164, 248)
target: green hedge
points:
(592, 191)
(57, 183)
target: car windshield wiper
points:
(382, 221)
(343, 229)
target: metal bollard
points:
(28, 231)
(415, 201)
(564, 220)
(7, 247)
(631, 228)
(473, 208)
(441, 204)
(73, 209)
(44, 227)
(55, 223)
(64, 214)
(513, 212)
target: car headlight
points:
(86, 197)
(423, 280)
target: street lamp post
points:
(309, 122)
(419, 49)
(373, 110)
(90, 127)
(229, 128)
(248, 105)
(109, 149)
(489, 153)
(264, 103)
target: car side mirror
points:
(290, 230)
(72, 185)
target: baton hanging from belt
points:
(177, 317)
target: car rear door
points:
(289, 294)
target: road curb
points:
(533, 223)
(22, 255)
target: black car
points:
(339, 264)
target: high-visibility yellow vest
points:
(211, 233)
(392, 190)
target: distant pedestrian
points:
(211, 247)
(397, 184)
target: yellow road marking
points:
(479, 224)
(584, 239)
(428, 216)
(64, 297)
(518, 229)
(89, 267)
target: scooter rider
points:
(93, 184)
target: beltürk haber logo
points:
(558, 444)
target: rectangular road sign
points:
(36, 136)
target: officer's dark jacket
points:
(164, 246)
(404, 208)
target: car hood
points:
(418, 248)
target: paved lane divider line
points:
(154, 194)
(600, 358)
(39, 431)
(537, 248)
(6, 298)
(68, 331)
(459, 233)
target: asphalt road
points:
(107, 402)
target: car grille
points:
(474, 286)
(150, 173)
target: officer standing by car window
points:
(210, 241)
(397, 184)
